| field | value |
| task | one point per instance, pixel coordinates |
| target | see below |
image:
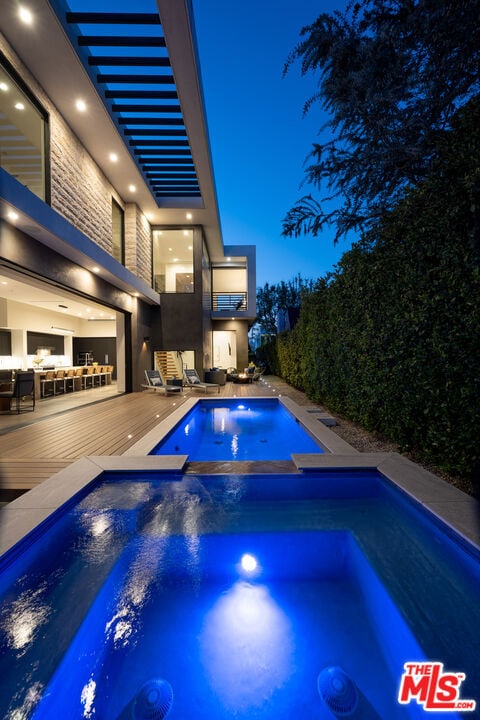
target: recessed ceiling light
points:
(113, 157)
(96, 269)
(4, 282)
(19, 106)
(190, 247)
(189, 216)
(12, 215)
(185, 232)
(81, 105)
(25, 15)
(132, 188)
(3, 86)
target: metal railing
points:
(229, 302)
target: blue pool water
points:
(141, 579)
(246, 429)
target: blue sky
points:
(259, 137)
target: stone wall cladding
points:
(144, 249)
(138, 243)
(79, 190)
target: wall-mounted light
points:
(146, 339)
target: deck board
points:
(36, 451)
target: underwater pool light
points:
(249, 563)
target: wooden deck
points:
(33, 452)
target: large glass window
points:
(118, 232)
(22, 134)
(173, 261)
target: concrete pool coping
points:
(455, 508)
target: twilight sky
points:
(259, 137)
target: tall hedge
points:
(391, 338)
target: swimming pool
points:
(148, 584)
(233, 429)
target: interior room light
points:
(25, 15)
(19, 106)
(132, 188)
(96, 269)
(113, 157)
(189, 216)
(3, 86)
(12, 215)
(60, 329)
(81, 105)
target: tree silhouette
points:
(392, 74)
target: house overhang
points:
(61, 64)
(48, 227)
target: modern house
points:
(110, 242)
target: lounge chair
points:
(23, 388)
(155, 382)
(192, 380)
(258, 373)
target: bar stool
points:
(69, 380)
(47, 384)
(59, 382)
(88, 375)
(78, 381)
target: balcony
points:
(235, 302)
